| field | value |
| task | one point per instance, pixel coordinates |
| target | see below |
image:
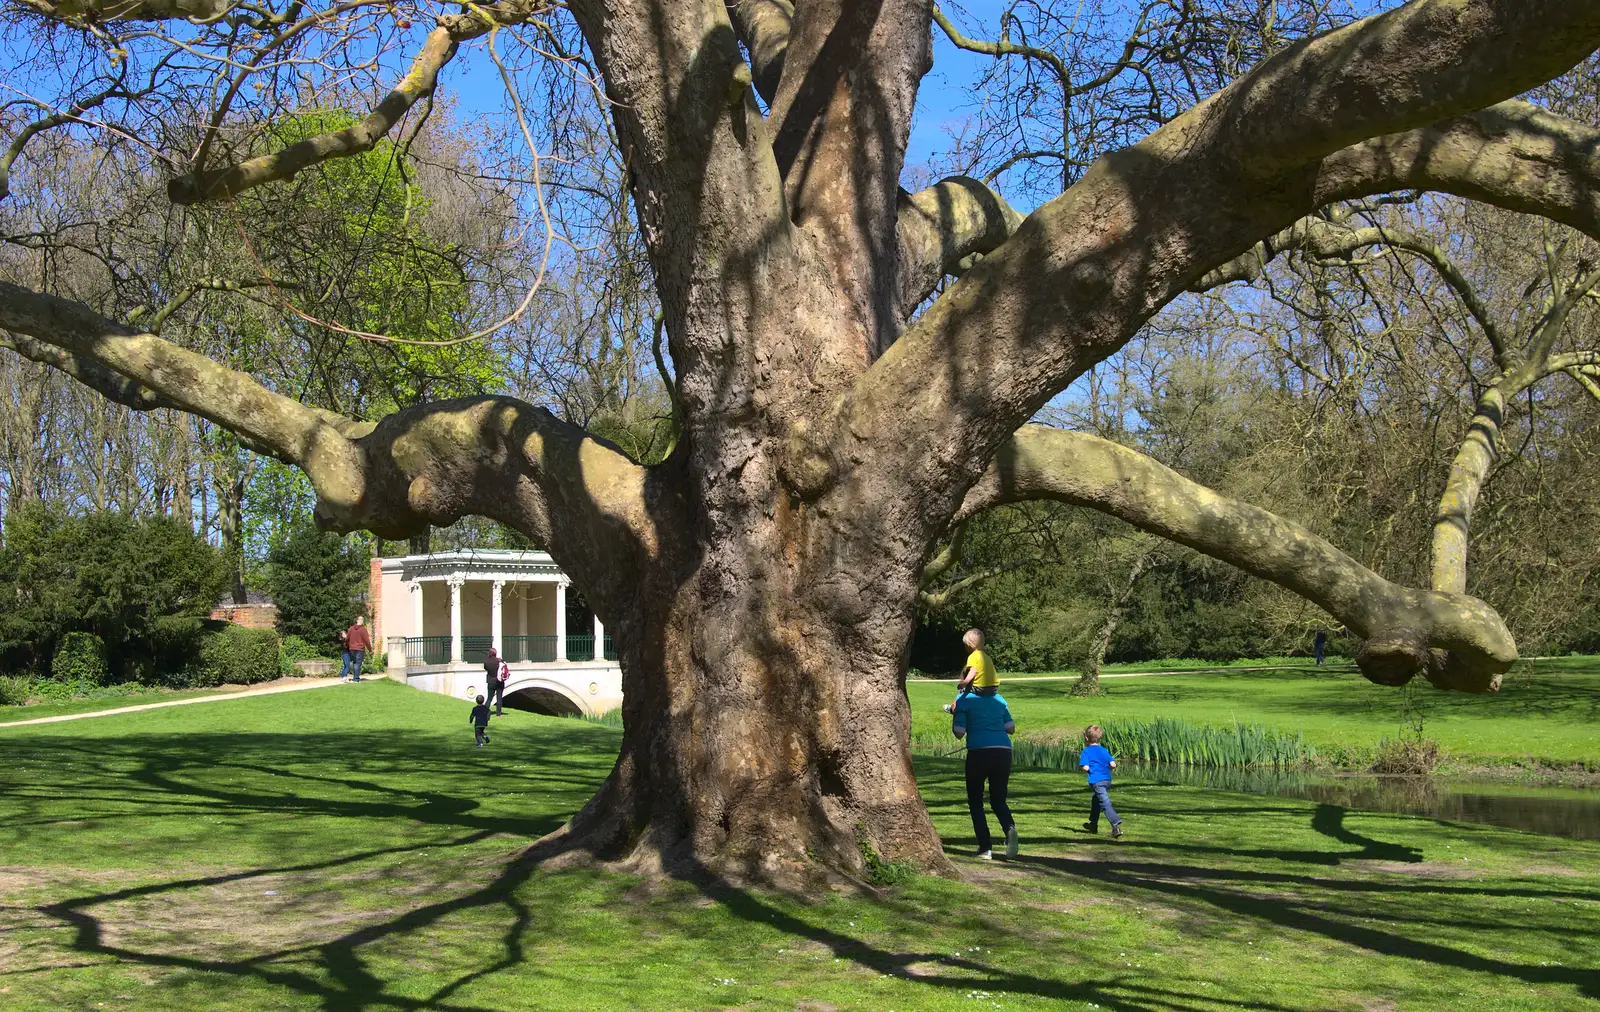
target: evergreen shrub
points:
(80, 661)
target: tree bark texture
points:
(762, 581)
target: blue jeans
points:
(1102, 801)
(352, 662)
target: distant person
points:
(495, 674)
(979, 671)
(1320, 643)
(357, 641)
(480, 723)
(1096, 761)
(982, 718)
(502, 676)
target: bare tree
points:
(763, 578)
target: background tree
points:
(317, 578)
(140, 585)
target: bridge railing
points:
(580, 648)
(475, 648)
(427, 650)
(541, 649)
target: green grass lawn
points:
(1547, 710)
(348, 848)
(48, 708)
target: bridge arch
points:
(540, 693)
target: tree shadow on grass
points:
(351, 775)
(423, 784)
(304, 775)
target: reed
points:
(1161, 740)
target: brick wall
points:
(251, 616)
(375, 603)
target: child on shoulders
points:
(979, 672)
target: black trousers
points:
(480, 734)
(495, 694)
(994, 766)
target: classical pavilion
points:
(438, 615)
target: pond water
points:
(1557, 811)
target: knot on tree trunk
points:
(1395, 656)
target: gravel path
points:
(263, 690)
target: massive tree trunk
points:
(762, 581)
(764, 705)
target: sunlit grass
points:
(348, 848)
(1547, 710)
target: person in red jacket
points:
(357, 641)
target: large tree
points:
(834, 425)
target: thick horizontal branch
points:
(1403, 627)
(944, 225)
(497, 457)
(437, 50)
(1513, 155)
(1146, 223)
(314, 440)
(82, 11)
(580, 498)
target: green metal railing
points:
(475, 648)
(529, 648)
(427, 650)
(580, 648)
(609, 648)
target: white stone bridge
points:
(439, 613)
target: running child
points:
(979, 672)
(1096, 761)
(480, 723)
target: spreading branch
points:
(437, 50)
(944, 225)
(100, 11)
(1457, 641)
(1145, 224)
(429, 465)
(1323, 239)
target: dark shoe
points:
(1091, 827)
(1116, 831)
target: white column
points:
(497, 621)
(416, 609)
(561, 620)
(599, 640)
(455, 618)
(522, 611)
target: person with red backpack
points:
(496, 673)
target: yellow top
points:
(986, 677)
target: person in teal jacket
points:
(982, 718)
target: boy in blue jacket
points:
(1096, 761)
(480, 722)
